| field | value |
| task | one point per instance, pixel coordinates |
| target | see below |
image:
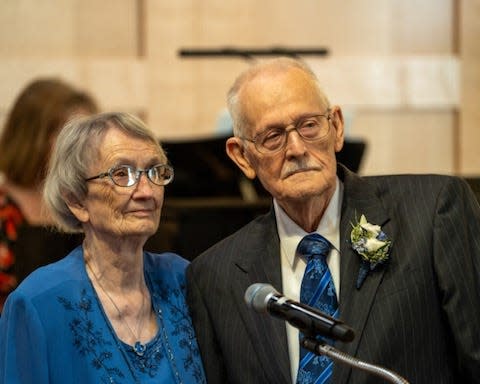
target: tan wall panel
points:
(68, 27)
(188, 101)
(37, 28)
(107, 28)
(422, 27)
(346, 27)
(469, 140)
(469, 28)
(169, 25)
(267, 23)
(338, 25)
(405, 81)
(406, 141)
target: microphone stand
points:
(321, 348)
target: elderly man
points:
(397, 258)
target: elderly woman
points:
(108, 312)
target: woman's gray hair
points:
(76, 149)
(278, 64)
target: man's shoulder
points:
(412, 190)
(397, 182)
(246, 236)
(414, 182)
(421, 177)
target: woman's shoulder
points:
(166, 261)
(49, 276)
(166, 270)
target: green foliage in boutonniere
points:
(372, 244)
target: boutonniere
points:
(372, 244)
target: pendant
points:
(139, 348)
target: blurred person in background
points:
(109, 312)
(31, 127)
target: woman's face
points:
(110, 210)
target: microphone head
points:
(257, 296)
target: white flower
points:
(373, 229)
(372, 244)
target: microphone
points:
(264, 298)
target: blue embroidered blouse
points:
(54, 330)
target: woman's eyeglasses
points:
(128, 176)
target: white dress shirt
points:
(293, 266)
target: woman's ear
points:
(338, 124)
(77, 208)
(236, 151)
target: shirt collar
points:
(290, 233)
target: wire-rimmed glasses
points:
(310, 129)
(128, 176)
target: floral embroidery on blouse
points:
(183, 329)
(179, 336)
(88, 340)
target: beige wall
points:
(406, 72)
(469, 119)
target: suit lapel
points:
(360, 197)
(260, 263)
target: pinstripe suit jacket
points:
(417, 315)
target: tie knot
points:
(313, 245)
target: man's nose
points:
(294, 142)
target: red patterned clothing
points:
(10, 219)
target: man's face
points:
(302, 169)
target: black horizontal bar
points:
(229, 52)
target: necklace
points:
(138, 347)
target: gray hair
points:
(278, 64)
(76, 149)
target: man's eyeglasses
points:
(313, 128)
(127, 176)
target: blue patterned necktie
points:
(317, 291)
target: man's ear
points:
(236, 151)
(77, 208)
(338, 124)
